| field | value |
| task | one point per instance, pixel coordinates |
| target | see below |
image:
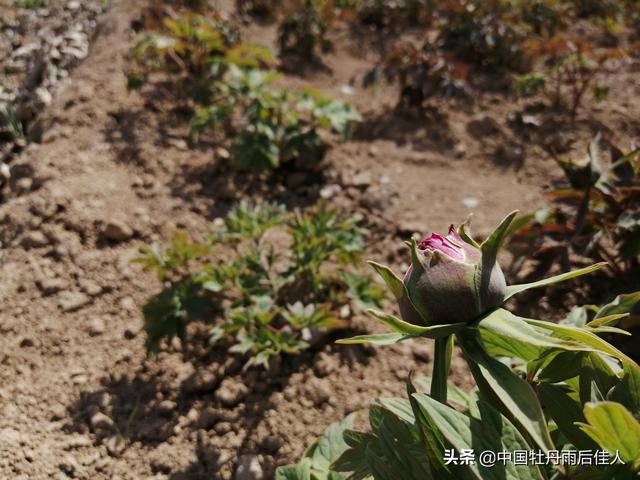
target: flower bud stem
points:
(441, 364)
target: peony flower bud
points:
(448, 282)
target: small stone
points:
(249, 468)
(130, 332)
(96, 326)
(231, 392)
(207, 419)
(90, 287)
(200, 382)
(27, 342)
(271, 444)
(128, 304)
(35, 239)
(178, 143)
(99, 421)
(330, 190)
(116, 231)
(58, 412)
(361, 180)
(115, 445)
(532, 120)
(347, 89)
(79, 379)
(223, 153)
(460, 150)
(49, 286)
(224, 457)
(470, 202)
(421, 352)
(72, 301)
(69, 465)
(24, 184)
(76, 441)
(166, 407)
(222, 428)
(325, 364)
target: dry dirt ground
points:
(78, 398)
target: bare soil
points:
(78, 397)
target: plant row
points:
(272, 280)
(231, 88)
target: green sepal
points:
(390, 279)
(491, 246)
(398, 325)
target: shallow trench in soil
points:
(79, 398)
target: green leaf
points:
(505, 334)
(601, 321)
(398, 444)
(431, 439)
(299, 471)
(621, 305)
(503, 387)
(375, 339)
(380, 470)
(562, 366)
(433, 331)
(596, 377)
(565, 412)
(616, 330)
(491, 432)
(514, 289)
(627, 391)
(354, 460)
(454, 394)
(400, 407)
(614, 429)
(580, 335)
(328, 449)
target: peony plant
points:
(542, 388)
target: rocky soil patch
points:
(39, 46)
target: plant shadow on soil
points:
(135, 398)
(544, 125)
(426, 129)
(153, 138)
